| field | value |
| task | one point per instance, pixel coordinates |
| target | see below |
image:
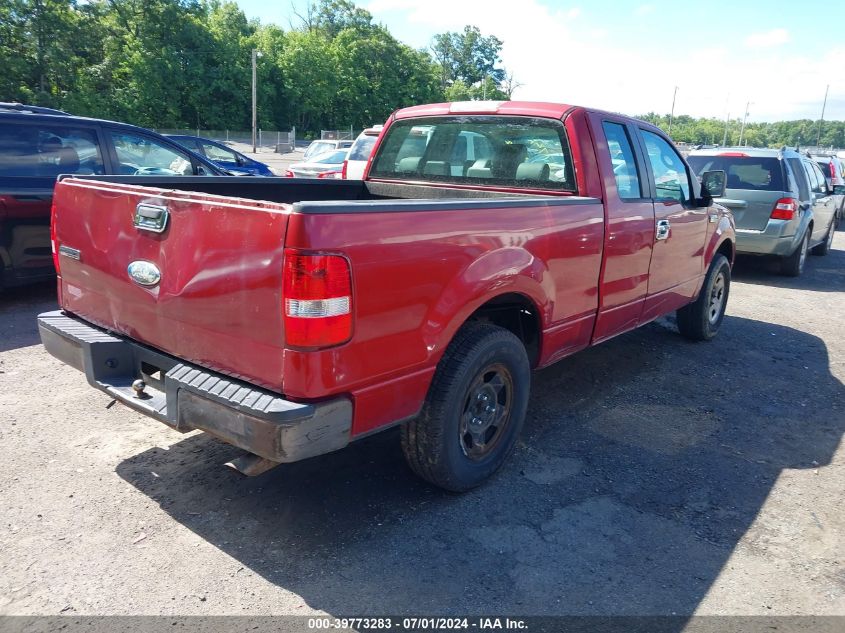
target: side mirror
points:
(839, 190)
(713, 183)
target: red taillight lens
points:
(288, 174)
(785, 209)
(343, 169)
(54, 245)
(317, 299)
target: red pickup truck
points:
(290, 317)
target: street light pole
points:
(255, 56)
(824, 105)
(744, 119)
(672, 113)
(727, 123)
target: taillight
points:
(785, 209)
(343, 169)
(317, 293)
(54, 245)
(288, 174)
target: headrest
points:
(411, 163)
(533, 171)
(437, 168)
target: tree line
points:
(187, 64)
(711, 131)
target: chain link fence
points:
(266, 141)
(339, 135)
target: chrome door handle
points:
(151, 217)
(662, 232)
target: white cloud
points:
(644, 9)
(775, 37)
(629, 71)
(573, 13)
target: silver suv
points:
(781, 201)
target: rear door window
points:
(813, 177)
(800, 177)
(622, 158)
(820, 176)
(761, 173)
(502, 151)
(39, 151)
(141, 155)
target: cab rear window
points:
(743, 172)
(517, 152)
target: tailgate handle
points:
(151, 217)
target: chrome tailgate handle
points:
(662, 232)
(151, 217)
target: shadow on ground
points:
(19, 308)
(643, 462)
(824, 274)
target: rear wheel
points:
(474, 410)
(793, 265)
(700, 320)
(825, 247)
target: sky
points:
(629, 57)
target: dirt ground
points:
(654, 476)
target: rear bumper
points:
(188, 397)
(778, 238)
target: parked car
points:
(833, 169)
(327, 165)
(360, 152)
(38, 144)
(223, 156)
(420, 296)
(316, 148)
(780, 199)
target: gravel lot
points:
(655, 476)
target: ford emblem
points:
(144, 273)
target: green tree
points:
(467, 56)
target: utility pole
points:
(727, 123)
(824, 105)
(672, 113)
(744, 119)
(255, 56)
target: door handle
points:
(662, 232)
(151, 217)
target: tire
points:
(793, 265)
(701, 319)
(825, 247)
(474, 410)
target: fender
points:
(509, 270)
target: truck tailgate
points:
(218, 301)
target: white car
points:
(326, 165)
(360, 152)
(322, 146)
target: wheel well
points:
(518, 314)
(726, 248)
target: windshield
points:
(504, 151)
(743, 172)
